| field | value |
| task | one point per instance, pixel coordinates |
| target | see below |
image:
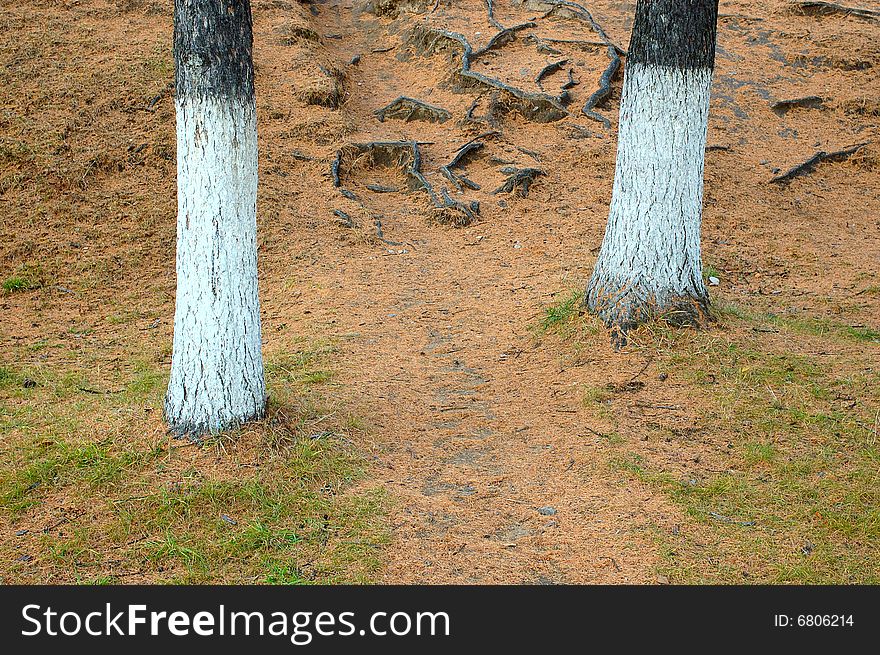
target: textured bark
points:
(649, 264)
(217, 379)
(213, 48)
(674, 33)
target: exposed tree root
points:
(484, 135)
(458, 180)
(397, 154)
(490, 9)
(807, 102)
(453, 212)
(816, 7)
(565, 7)
(462, 153)
(410, 109)
(601, 94)
(505, 36)
(810, 164)
(531, 153)
(575, 9)
(344, 219)
(378, 188)
(469, 114)
(536, 107)
(592, 46)
(542, 45)
(377, 223)
(519, 180)
(549, 69)
(406, 156)
(334, 169)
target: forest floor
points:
(441, 411)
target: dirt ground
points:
(496, 459)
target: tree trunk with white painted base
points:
(649, 265)
(217, 379)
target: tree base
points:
(627, 309)
(194, 429)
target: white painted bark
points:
(217, 379)
(649, 263)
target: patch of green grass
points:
(53, 461)
(822, 327)
(272, 502)
(862, 334)
(292, 523)
(597, 399)
(569, 307)
(593, 395)
(722, 308)
(301, 368)
(171, 547)
(759, 451)
(798, 498)
(260, 536)
(147, 381)
(280, 573)
(123, 317)
(355, 423)
(99, 581)
(26, 278)
(9, 377)
(814, 326)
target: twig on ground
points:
(819, 8)
(810, 164)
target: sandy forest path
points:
(496, 476)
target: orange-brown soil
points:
(476, 421)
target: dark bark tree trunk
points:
(217, 379)
(649, 265)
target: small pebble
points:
(662, 377)
(21, 533)
(714, 281)
(547, 511)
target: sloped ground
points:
(442, 413)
